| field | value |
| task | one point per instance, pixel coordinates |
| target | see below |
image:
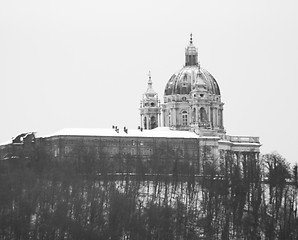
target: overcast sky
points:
(70, 63)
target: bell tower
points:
(150, 108)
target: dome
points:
(192, 100)
(185, 80)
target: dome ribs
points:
(182, 79)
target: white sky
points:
(70, 63)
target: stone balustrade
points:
(241, 139)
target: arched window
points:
(194, 115)
(184, 118)
(153, 122)
(203, 115)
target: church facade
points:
(187, 127)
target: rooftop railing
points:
(241, 139)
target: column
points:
(174, 117)
(171, 118)
(163, 117)
(221, 118)
(211, 117)
(147, 121)
(216, 117)
(159, 124)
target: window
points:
(145, 122)
(67, 150)
(203, 115)
(194, 115)
(56, 151)
(153, 123)
(184, 118)
(184, 90)
(114, 150)
(133, 151)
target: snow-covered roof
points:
(162, 132)
(6, 143)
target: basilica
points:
(192, 100)
(187, 126)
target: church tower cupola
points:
(150, 93)
(150, 108)
(191, 54)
